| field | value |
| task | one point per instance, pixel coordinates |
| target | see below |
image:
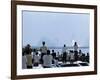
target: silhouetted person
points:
(64, 53)
(83, 57)
(34, 53)
(56, 62)
(64, 49)
(68, 56)
(36, 59)
(64, 57)
(43, 50)
(87, 57)
(76, 51)
(72, 57)
(79, 55)
(47, 60)
(53, 54)
(75, 46)
(28, 51)
(58, 56)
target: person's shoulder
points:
(50, 55)
(44, 55)
(30, 55)
(27, 55)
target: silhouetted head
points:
(87, 54)
(28, 45)
(75, 43)
(64, 45)
(52, 50)
(48, 52)
(71, 51)
(34, 50)
(80, 51)
(43, 43)
(36, 53)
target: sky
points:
(55, 28)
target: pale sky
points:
(55, 28)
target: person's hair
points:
(48, 52)
(52, 50)
(28, 45)
(75, 43)
(43, 42)
(36, 53)
(34, 50)
(87, 53)
(28, 49)
(64, 45)
(71, 51)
